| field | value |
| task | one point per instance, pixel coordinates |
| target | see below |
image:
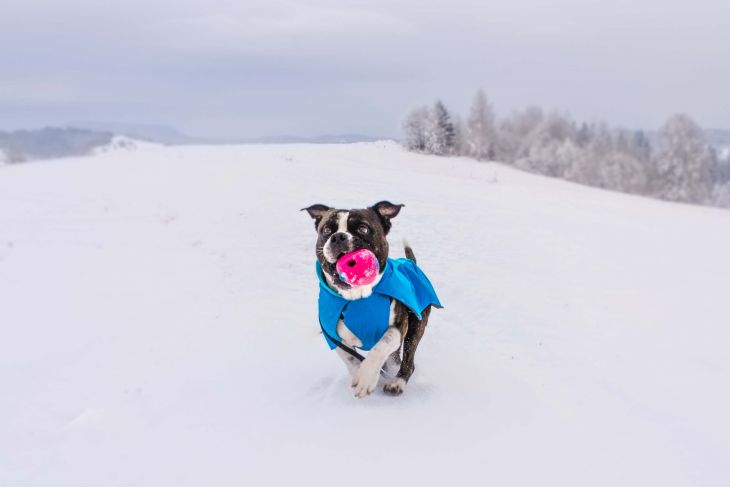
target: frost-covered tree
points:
(540, 158)
(601, 143)
(584, 135)
(558, 126)
(415, 128)
(686, 168)
(518, 133)
(566, 159)
(480, 128)
(640, 146)
(721, 174)
(445, 122)
(460, 143)
(435, 137)
(616, 156)
(620, 171)
(440, 133)
(621, 142)
(684, 163)
(718, 168)
(721, 195)
(580, 164)
(544, 149)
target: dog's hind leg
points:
(392, 364)
(415, 332)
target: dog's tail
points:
(409, 251)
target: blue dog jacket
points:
(367, 318)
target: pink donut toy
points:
(358, 268)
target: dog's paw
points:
(395, 387)
(366, 379)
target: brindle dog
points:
(343, 231)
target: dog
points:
(391, 313)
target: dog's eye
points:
(363, 230)
(326, 230)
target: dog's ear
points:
(386, 211)
(317, 212)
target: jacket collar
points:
(323, 282)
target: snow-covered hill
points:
(158, 326)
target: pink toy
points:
(358, 268)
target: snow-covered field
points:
(158, 326)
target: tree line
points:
(680, 166)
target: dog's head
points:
(342, 231)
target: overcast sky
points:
(251, 68)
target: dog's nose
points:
(339, 237)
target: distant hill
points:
(50, 142)
(168, 135)
(163, 134)
(83, 137)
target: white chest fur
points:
(357, 292)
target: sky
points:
(240, 68)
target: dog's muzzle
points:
(339, 243)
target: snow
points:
(121, 143)
(159, 326)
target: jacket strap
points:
(350, 351)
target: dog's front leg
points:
(366, 377)
(352, 341)
(412, 338)
(351, 362)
